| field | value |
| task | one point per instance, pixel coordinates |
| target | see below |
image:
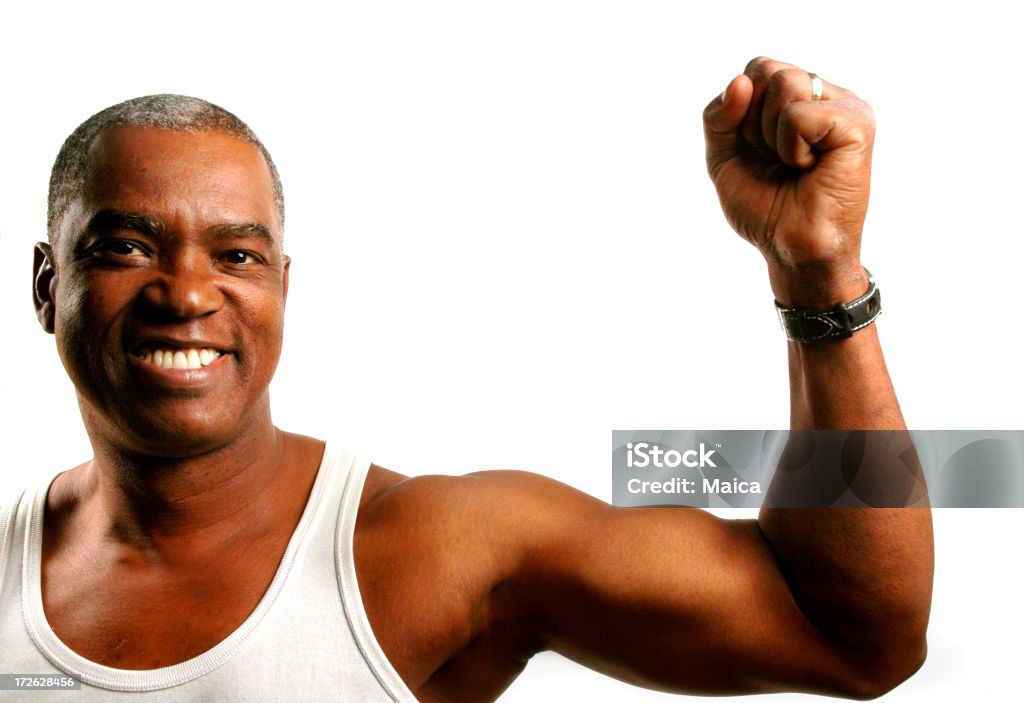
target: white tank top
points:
(308, 638)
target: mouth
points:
(179, 358)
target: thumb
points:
(722, 119)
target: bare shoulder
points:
(511, 504)
(460, 544)
(487, 501)
(507, 519)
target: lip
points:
(182, 378)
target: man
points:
(203, 554)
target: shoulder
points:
(481, 530)
(490, 501)
(502, 526)
(63, 497)
(14, 513)
(468, 547)
(14, 499)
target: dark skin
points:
(162, 544)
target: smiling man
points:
(204, 554)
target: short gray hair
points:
(177, 112)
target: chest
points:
(128, 615)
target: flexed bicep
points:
(676, 599)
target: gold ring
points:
(817, 89)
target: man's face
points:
(169, 290)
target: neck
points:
(162, 504)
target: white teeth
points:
(181, 359)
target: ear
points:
(284, 276)
(43, 277)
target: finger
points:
(785, 86)
(808, 129)
(722, 118)
(759, 71)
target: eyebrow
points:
(109, 220)
(252, 230)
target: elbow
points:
(885, 646)
(882, 670)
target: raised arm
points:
(793, 175)
(832, 601)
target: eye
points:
(239, 257)
(119, 249)
(125, 248)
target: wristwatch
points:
(839, 322)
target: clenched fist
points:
(793, 175)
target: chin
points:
(166, 436)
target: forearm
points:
(862, 576)
(839, 385)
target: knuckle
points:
(862, 121)
(709, 111)
(868, 115)
(788, 83)
(789, 117)
(755, 65)
(790, 112)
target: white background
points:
(505, 245)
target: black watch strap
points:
(839, 322)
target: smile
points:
(180, 359)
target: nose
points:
(184, 288)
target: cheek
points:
(273, 326)
(82, 314)
(69, 320)
(262, 316)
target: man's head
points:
(165, 282)
(180, 113)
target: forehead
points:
(205, 177)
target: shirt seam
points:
(348, 584)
